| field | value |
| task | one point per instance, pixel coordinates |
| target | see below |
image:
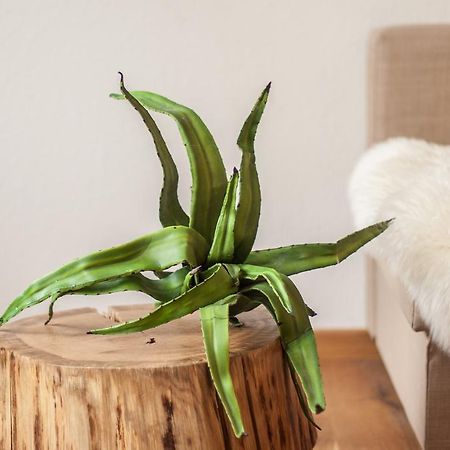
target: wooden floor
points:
(363, 411)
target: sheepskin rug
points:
(409, 180)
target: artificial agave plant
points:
(220, 275)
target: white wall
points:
(78, 171)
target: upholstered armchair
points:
(409, 95)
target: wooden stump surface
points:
(64, 389)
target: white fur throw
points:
(409, 180)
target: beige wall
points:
(78, 171)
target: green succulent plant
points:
(218, 273)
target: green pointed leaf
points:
(161, 290)
(243, 304)
(218, 285)
(166, 289)
(249, 207)
(283, 287)
(170, 210)
(301, 394)
(300, 258)
(209, 179)
(298, 340)
(246, 304)
(214, 320)
(302, 353)
(53, 299)
(156, 251)
(188, 282)
(222, 248)
(256, 298)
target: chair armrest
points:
(386, 283)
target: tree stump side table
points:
(62, 389)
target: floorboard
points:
(363, 410)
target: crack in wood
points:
(168, 437)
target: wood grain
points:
(62, 389)
(363, 410)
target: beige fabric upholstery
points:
(409, 85)
(437, 425)
(409, 95)
(404, 351)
